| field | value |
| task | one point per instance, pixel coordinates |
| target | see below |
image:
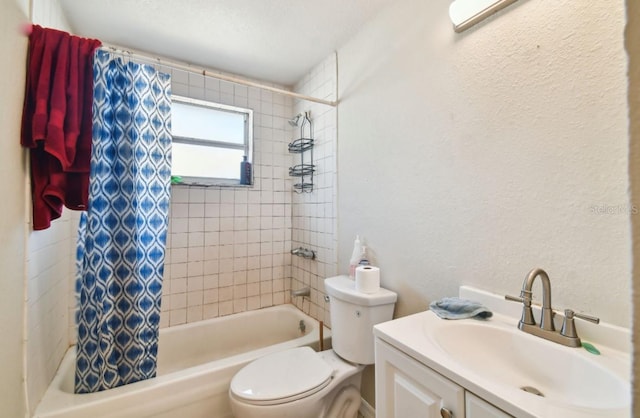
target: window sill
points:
(209, 182)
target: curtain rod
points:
(211, 73)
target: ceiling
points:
(271, 40)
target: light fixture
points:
(466, 13)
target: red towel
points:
(56, 121)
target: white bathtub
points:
(195, 365)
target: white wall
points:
(13, 47)
(49, 259)
(632, 39)
(472, 158)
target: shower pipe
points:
(211, 73)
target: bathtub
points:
(195, 365)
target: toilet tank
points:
(353, 315)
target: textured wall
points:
(49, 267)
(632, 38)
(495, 151)
(13, 47)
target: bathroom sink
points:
(520, 361)
(524, 375)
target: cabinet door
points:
(479, 408)
(406, 388)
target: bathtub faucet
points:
(304, 253)
(305, 291)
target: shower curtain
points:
(121, 246)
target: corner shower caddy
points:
(303, 146)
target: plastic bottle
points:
(245, 171)
(355, 257)
(364, 261)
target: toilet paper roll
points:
(367, 279)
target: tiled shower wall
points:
(228, 248)
(314, 214)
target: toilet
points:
(302, 383)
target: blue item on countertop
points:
(457, 308)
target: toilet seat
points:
(281, 377)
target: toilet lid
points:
(281, 376)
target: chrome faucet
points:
(304, 253)
(567, 335)
(546, 318)
(305, 291)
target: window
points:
(209, 141)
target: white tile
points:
(210, 296)
(210, 311)
(178, 317)
(194, 313)
(179, 194)
(211, 269)
(227, 195)
(225, 308)
(194, 298)
(225, 293)
(194, 268)
(266, 300)
(178, 255)
(225, 279)
(196, 210)
(179, 225)
(226, 210)
(239, 305)
(194, 284)
(179, 210)
(195, 254)
(226, 239)
(226, 265)
(196, 195)
(212, 195)
(226, 87)
(227, 224)
(178, 270)
(212, 210)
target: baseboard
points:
(366, 410)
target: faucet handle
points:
(527, 312)
(582, 316)
(568, 325)
(513, 298)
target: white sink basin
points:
(517, 360)
(507, 367)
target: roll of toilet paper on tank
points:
(367, 279)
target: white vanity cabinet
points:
(406, 388)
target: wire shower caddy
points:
(303, 146)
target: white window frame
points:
(247, 146)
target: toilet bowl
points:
(300, 383)
(296, 383)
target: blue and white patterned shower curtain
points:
(122, 239)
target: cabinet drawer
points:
(406, 388)
(479, 408)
